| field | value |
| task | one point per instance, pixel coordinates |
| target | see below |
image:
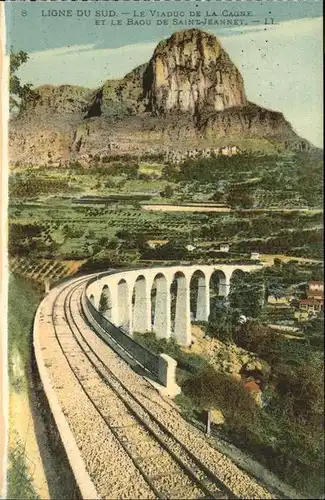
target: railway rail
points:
(167, 466)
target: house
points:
(224, 247)
(190, 248)
(316, 290)
(308, 308)
(255, 256)
(311, 305)
(253, 387)
(279, 302)
(156, 243)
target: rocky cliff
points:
(189, 95)
(191, 72)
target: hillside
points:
(189, 96)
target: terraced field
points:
(43, 269)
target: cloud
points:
(281, 66)
(60, 51)
(83, 64)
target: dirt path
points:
(184, 208)
(268, 259)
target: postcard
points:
(162, 269)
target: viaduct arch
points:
(163, 299)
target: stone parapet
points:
(43, 336)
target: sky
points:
(281, 63)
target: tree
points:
(103, 303)
(103, 241)
(124, 234)
(238, 197)
(222, 321)
(246, 294)
(169, 172)
(209, 389)
(274, 287)
(167, 192)
(112, 244)
(301, 392)
(25, 93)
(257, 338)
(218, 196)
(140, 241)
(132, 171)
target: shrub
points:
(103, 303)
(20, 482)
(300, 392)
(256, 338)
(167, 192)
(189, 362)
(209, 389)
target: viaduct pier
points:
(141, 300)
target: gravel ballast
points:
(112, 471)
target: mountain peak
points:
(191, 72)
(189, 96)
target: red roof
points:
(252, 386)
(308, 301)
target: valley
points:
(172, 165)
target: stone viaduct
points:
(159, 299)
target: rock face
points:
(188, 97)
(190, 72)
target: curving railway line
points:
(169, 468)
(129, 449)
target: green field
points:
(64, 230)
(62, 220)
(266, 194)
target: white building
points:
(255, 256)
(224, 247)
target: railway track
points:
(167, 466)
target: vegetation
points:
(246, 294)
(94, 215)
(22, 303)
(286, 433)
(209, 389)
(20, 482)
(21, 187)
(24, 93)
(110, 190)
(75, 231)
(187, 363)
(249, 180)
(103, 303)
